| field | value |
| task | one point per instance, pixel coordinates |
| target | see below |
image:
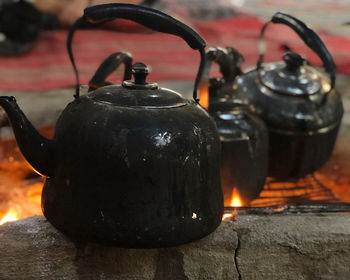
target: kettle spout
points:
(37, 150)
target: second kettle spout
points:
(37, 150)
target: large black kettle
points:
(298, 103)
(243, 135)
(133, 165)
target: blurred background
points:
(33, 54)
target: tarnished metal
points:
(129, 166)
(299, 104)
(243, 135)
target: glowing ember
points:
(226, 216)
(296, 191)
(230, 216)
(20, 186)
(20, 191)
(9, 217)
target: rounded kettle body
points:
(243, 135)
(130, 165)
(133, 176)
(298, 103)
(136, 165)
(301, 134)
(244, 154)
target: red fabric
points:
(47, 65)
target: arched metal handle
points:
(310, 38)
(147, 17)
(108, 66)
(228, 59)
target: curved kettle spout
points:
(38, 150)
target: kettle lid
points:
(138, 93)
(293, 77)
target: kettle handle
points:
(228, 59)
(145, 16)
(310, 38)
(108, 66)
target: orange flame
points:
(235, 199)
(10, 216)
(235, 202)
(227, 216)
(204, 94)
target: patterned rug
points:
(46, 66)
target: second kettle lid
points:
(293, 77)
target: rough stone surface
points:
(294, 246)
(33, 249)
(252, 247)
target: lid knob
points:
(140, 72)
(293, 61)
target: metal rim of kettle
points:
(309, 37)
(145, 16)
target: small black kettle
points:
(132, 165)
(243, 135)
(299, 104)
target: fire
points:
(235, 199)
(227, 216)
(20, 191)
(204, 94)
(10, 216)
(235, 202)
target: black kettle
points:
(131, 165)
(243, 135)
(299, 104)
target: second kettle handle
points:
(145, 16)
(228, 59)
(310, 38)
(109, 65)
